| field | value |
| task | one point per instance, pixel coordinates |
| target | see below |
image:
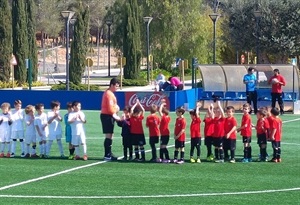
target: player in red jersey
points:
(152, 122)
(208, 132)
(219, 132)
(246, 132)
(137, 131)
(277, 82)
(195, 133)
(276, 133)
(164, 132)
(179, 135)
(230, 134)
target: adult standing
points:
(250, 81)
(108, 116)
(277, 81)
(160, 80)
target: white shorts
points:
(78, 139)
(54, 137)
(40, 138)
(17, 134)
(5, 136)
(30, 139)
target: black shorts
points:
(179, 144)
(218, 141)
(138, 139)
(246, 139)
(229, 144)
(126, 141)
(153, 140)
(164, 139)
(208, 140)
(195, 142)
(261, 139)
(108, 123)
(275, 145)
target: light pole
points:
(67, 15)
(214, 17)
(108, 23)
(257, 15)
(147, 21)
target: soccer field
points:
(63, 181)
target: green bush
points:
(81, 87)
(131, 82)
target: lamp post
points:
(257, 15)
(67, 15)
(147, 21)
(214, 17)
(108, 23)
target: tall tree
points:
(5, 40)
(132, 40)
(79, 45)
(20, 41)
(31, 32)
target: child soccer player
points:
(179, 135)
(76, 119)
(276, 129)
(230, 134)
(5, 122)
(137, 131)
(152, 122)
(262, 126)
(164, 132)
(126, 138)
(246, 132)
(30, 133)
(219, 132)
(195, 134)
(209, 132)
(41, 126)
(17, 128)
(55, 130)
(68, 133)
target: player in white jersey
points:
(30, 133)
(17, 128)
(5, 122)
(76, 119)
(55, 131)
(41, 126)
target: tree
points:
(20, 41)
(31, 32)
(5, 40)
(79, 45)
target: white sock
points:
(48, 146)
(2, 147)
(27, 148)
(60, 147)
(77, 151)
(44, 148)
(8, 147)
(22, 146)
(13, 146)
(41, 148)
(33, 150)
(84, 148)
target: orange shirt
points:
(136, 124)
(262, 126)
(109, 103)
(208, 127)
(180, 125)
(195, 127)
(152, 122)
(230, 122)
(246, 131)
(164, 125)
(219, 131)
(276, 124)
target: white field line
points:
(155, 196)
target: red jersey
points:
(276, 125)
(164, 125)
(262, 126)
(276, 87)
(230, 122)
(247, 130)
(136, 124)
(219, 131)
(208, 127)
(180, 124)
(195, 127)
(152, 122)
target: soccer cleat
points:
(249, 159)
(211, 157)
(159, 160)
(76, 157)
(41, 156)
(192, 160)
(12, 155)
(22, 155)
(34, 156)
(232, 161)
(279, 160)
(2, 155)
(142, 160)
(245, 160)
(180, 162)
(62, 156)
(166, 161)
(46, 156)
(175, 160)
(27, 155)
(152, 160)
(85, 157)
(198, 160)
(274, 160)
(219, 161)
(8, 155)
(71, 156)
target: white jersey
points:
(17, 117)
(77, 127)
(55, 126)
(30, 129)
(5, 127)
(41, 121)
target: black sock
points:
(182, 155)
(125, 152)
(107, 147)
(161, 153)
(198, 151)
(216, 153)
(130, 151)
(278, 153)
(192, 151)
(245, 152)
(232, 154)
(208, 150)
(143, 152)
(221, 152)
(72, 150)
(153, 151)
(176, 154)
(137, 154)
(249, 152)
(167, 154)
